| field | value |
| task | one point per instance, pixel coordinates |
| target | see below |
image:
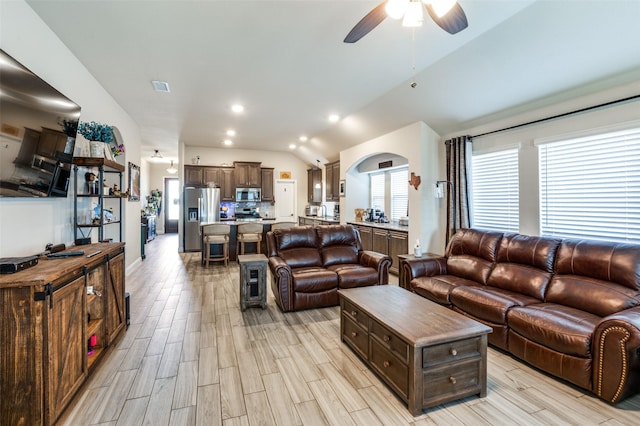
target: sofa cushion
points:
(488, 303)
(561, 328)
(311, 280)
(339, 244)
(471, 254)
(438, 288)
(592, 295)
(302, 257)
(607, 261)
(524, 264)
(354, 275)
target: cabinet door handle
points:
(386, 338)
(354, 313)
(452, 380)
(453, 352)
(354, 334)
(386, 363)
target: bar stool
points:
(282, 225)
(216, 234)
(249, 233)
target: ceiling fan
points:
(446, 13)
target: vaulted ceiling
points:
(285, 61)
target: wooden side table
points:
(253, 280)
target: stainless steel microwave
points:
(248, 194)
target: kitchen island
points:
(233, 234)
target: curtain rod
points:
(578, 111)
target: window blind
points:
(399, 194)
(495, 191)
(377, 190)
(590, 187)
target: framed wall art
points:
(134, 182)
(342, 187)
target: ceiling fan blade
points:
(453, 22)
(366, 24)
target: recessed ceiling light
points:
(228, 142)
(237, 108)
(292, 146)
(303, 138)
(160, 86)
(231, 132)
(334, 118)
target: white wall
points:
(27, 225)
(589, 122)
(421, 146)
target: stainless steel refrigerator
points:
(201, 205)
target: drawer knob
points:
(453, 352)
(354, 334)
(452, 380)
(354, 313)
(386, 363)
(386, 338)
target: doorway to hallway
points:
(172, 203)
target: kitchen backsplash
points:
(228, 208)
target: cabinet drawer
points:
(355, 335)
(448, 352)
(390, 367)
(390, 341)
(356, 314)
(450, 381)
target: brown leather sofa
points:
(309, 264)
(569, 307)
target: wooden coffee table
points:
(424, 352)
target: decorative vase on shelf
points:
(99, 136)
(96, 149)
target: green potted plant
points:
(98, 135)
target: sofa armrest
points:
(422, 267)
(616, 357)
(282, 283)
(378, 261)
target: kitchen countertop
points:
(265, 221)
(329, 219)
(389, 226)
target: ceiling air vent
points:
(385, 164)
(160, 86)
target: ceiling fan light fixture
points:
(172, 169)
(441, 7)
(414, 15)
(395, 8)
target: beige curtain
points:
(458, 167)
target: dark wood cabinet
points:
(51, 141)
(267, 184)
(212, 176)
(50, 313)
(247, 174)
(314, 186)
(385, 241)
(228, 188)
(332, 184)
(193, 175)
(366, 236)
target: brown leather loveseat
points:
(309, 264)
(569, 307)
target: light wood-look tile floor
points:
(190, 356)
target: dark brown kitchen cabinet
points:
(247, 174)
(391, 243)
(332, 185)
(50, 312)
(193, 175)
(212, 176)
(366, 236)
(50, 142)
(314, 186)
(267, 184)
(228, 188)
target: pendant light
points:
(172, 169)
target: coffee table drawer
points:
(356, 314)
(452, 351)
(394, 371)
(390, 340)
(355, 335)
(451, 381)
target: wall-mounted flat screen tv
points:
(38, 128)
